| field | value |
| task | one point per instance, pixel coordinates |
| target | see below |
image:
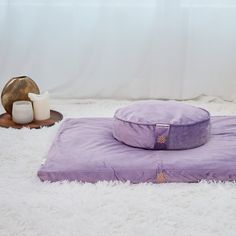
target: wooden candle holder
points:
(7, 122)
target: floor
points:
(30, 207)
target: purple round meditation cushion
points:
(161, 125)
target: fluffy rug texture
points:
(30, 207)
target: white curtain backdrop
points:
(121, 48)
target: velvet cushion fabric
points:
(85, 150)
(161, 125)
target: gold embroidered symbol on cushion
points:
(161, 139)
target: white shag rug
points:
(30, 207)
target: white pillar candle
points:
(41, 105)
(22, 112)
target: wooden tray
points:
(7, 122)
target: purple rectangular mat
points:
(85, 150)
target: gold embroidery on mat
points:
(161, 178)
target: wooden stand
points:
(7, 122)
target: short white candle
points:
(22, 112)
(41, 105)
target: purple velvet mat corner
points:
(85, 150)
